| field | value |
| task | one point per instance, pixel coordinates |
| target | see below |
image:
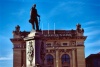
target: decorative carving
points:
(80, 43)
(16, 33)
(68, 50)
(17, 28)
(61, 50)
(73, 43)
(52, 51)
(30, 53)
(56, 44)
(65, 50)
(79, 30)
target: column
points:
(60, 63)
(73, 57)
(57, 58)
(71, 60)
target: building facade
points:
(64, 48)
(93, 60)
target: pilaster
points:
(57, 58)
(73, 57)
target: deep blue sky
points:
(64, 13)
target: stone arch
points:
(49, 60)
(65, 53)
(50, 54)
(65, 60)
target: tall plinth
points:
(35, 49)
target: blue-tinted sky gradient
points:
(64, 13)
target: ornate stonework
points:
(64, 44)
(30, 53)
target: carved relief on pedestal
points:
(30, 53)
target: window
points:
(65, 44)
(49, 59)
(65, 59)
(48, 44)
(79, 43)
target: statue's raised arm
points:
(33, 18)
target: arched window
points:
(49, 59)
(65, 59)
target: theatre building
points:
(64, 48)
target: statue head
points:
(34, 5)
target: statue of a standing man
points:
(34, 20)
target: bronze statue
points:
(33, 18)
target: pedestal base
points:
(33, 49)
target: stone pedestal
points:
(33, 49)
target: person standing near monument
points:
(33, 18)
